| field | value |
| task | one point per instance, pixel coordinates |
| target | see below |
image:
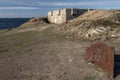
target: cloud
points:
(61, 3)
(88, 3)
(20, 15)
(19, 8)
(11, 2)
(17, 2)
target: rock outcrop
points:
(93, 25)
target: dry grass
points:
(42, 55)
(80, 26)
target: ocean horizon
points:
(6, 23)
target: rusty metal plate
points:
(101, 55)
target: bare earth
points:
(33, 54)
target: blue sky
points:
(38, 8)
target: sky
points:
(38, 8)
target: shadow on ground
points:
(116, 65)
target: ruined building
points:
(63, 15)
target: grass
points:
(12, 46)
(89, 78)
(16, 42)
(44, 77)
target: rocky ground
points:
(42, 51)
(93, 25)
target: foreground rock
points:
(101, 55)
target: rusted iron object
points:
(101, 55)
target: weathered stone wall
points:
(73, 13)
(57, 16)
(62, 15)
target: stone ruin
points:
(101, 55)
(63, 15)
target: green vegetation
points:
(44, 77)
(89, 78)
(15, 43)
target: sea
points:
(7, 23)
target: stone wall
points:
(73, 13)
(57, 16)
(63, 15)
